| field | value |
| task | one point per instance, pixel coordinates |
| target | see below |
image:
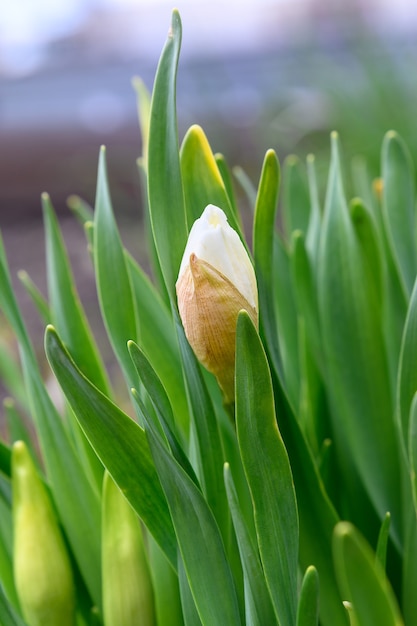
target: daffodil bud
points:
(216, 280)
(42, 569)
(128, 597)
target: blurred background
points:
(254, 73)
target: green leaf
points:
(203, 182)
(191, 617)
(118, 441)
(205, 432)
(8, 615)
(161, 404)
(258, 605)
(165, 586)
(67, 313)
(362, 580)
(296, 201)
(144, 110)
(356, 366)
(199, 539)
(75, 498)
(263, 245)
(317, 516)
(308, 604)
(113, 281)
(36, 296)
(407, 374)
(398, 207)
(382, 545)
(81, 209)
(7, 584)
(314, 224)
(165, 192)
(158, 341)
(5, 458)
(267, 471)
(17, 427)
(228, 182)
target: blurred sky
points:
(211, 26)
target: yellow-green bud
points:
(128, 598)
(42, 570)
(216, 280)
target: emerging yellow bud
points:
(42, 568)
(216, 280)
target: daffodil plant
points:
(261, 471)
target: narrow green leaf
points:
(358, 380)
(11, 374)
(17, 427)
(296, 201)
(76, 501)
(258, 605)
(158, 340)
(317, 516)
(203, 183)
(267, 470)
(246, 184)
(407, 374)
(81, 209)
(36, 296)
(67, 313)
(305, 291)
(191, 617)
(308, 603)
(398, 206)
(7, 583)
(205, 430)
(199, 540)
(228, 182)
(263, 245)
(362, 580)
(113, 281)
(165, 192)
(144, 110)
(314, 224)
(382, 545)
(165, 586)
(160, 401)
(118, 441)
